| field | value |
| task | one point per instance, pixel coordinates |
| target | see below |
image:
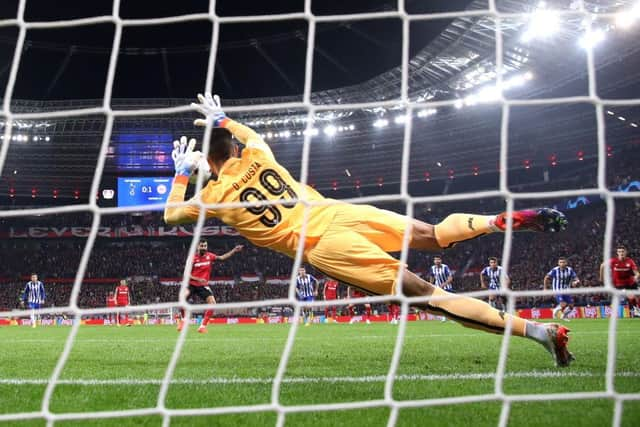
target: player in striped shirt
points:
(440, 275)
(562, 277)
(306, 290)
(34, 296)
(490, 278)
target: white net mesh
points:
(492, 11)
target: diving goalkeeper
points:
(347, 242)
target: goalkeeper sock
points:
(460, 227)
(476, 314)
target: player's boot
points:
(557, 344)
(202, 329)
(180, 325)
(542, 219)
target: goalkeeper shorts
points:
(354, 247)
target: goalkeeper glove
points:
(209, 107)
(185, 160)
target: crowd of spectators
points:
(149, 260)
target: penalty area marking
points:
(311, 380)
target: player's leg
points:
(386, 229)
(560, 304)
(367, 313)
(210, 299)
(32, 315)
(351, 258)
(567, 310)
(181, 319)
(476, 314)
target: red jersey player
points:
(111, 303)
(625, 276)
(330, 292)
(355, 293)
(199, 280)
(122, 300)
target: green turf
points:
(328, 364)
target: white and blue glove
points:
(209, 107)
(184, 158)
(188, 162)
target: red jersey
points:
(202, 268)
(122, 295)
(623, 271)
(357, 294)
(330, 289)
(111, 301)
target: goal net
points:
(502, 22)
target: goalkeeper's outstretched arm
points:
(185, 159)
(210, 107)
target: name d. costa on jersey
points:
(250, 173)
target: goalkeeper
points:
(347, 242)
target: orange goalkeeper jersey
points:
(257, 176)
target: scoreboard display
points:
(140, 191)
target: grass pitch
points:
(122, 368)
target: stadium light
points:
(286, 134)
(46, 138)
(400, 119)
(381, 123)
(635, 125)
(611, 113)
(543, 24)
(458, 104)
(352, 127)
(330, 130)
(591, 39)
(428, 112)
(626, 19)
(622, 119)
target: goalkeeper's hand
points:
(185, 160)
(209, 107)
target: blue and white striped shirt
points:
(34, 293)
(561, 278)
(493, 276)
(440, 275)
(305, 285)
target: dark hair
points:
(220, 144)
(34, 274)
(621, 247)
(437, 257)
(202, 241)
(492, 258)
(561, 258)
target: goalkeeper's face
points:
(202, 247)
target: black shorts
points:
(201, 291)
